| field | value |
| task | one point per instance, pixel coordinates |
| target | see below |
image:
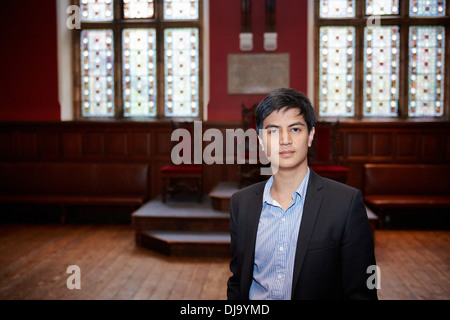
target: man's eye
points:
(296, 130)
(273, 131)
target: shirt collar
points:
(301, 190)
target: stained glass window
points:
(381, 71)
(138, 9)
(139, 72)
(180, 9)
(97, 73)
(96, 10)
(426, 70)
(181, 71)
(337, 8)
(139, 59)
(366, 70)
(426, 8)
(382, 7)
(337, 73)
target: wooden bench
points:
(390, 186)
(64, 184)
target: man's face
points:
(286, 139)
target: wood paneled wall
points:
(126, 141)
(391, 142)
(89, 141)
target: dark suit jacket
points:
(334, 249)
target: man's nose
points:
(285, 137)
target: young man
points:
(297, 235)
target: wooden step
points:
(180, 215)
(182, 227)
(221, 195)
(187, 243)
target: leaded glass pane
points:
(426, 70)
(180, 9)
(381, 70)
(181, 71)
(337, 8)
(139, 72)
(382, 7)
(138, 9)
(97, 10)
(97, 73)
(337, 73)
(426, 8)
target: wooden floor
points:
(34, 258)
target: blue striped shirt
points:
(276, 244)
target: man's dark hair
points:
(285, 98)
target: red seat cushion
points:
(182, 169)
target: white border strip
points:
(64, 39)
(310, 46)
(206, 60)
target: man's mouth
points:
(286, 153)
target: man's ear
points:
(311, 136)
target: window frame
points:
(403, 21)
(117, 25)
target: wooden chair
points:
(249, 173)
(323, 157)
(178, 178)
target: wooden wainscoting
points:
(358, 142)
(104, 141)
(391, 142)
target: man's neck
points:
(286, 181)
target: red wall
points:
(225, 26)
(28, 61)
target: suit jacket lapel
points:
(313, 201)
(252, 222)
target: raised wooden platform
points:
(191, 243)
(221, 195)
(182, 227)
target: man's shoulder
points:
(333, 184)
(335, 187)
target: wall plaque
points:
(257, 73)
